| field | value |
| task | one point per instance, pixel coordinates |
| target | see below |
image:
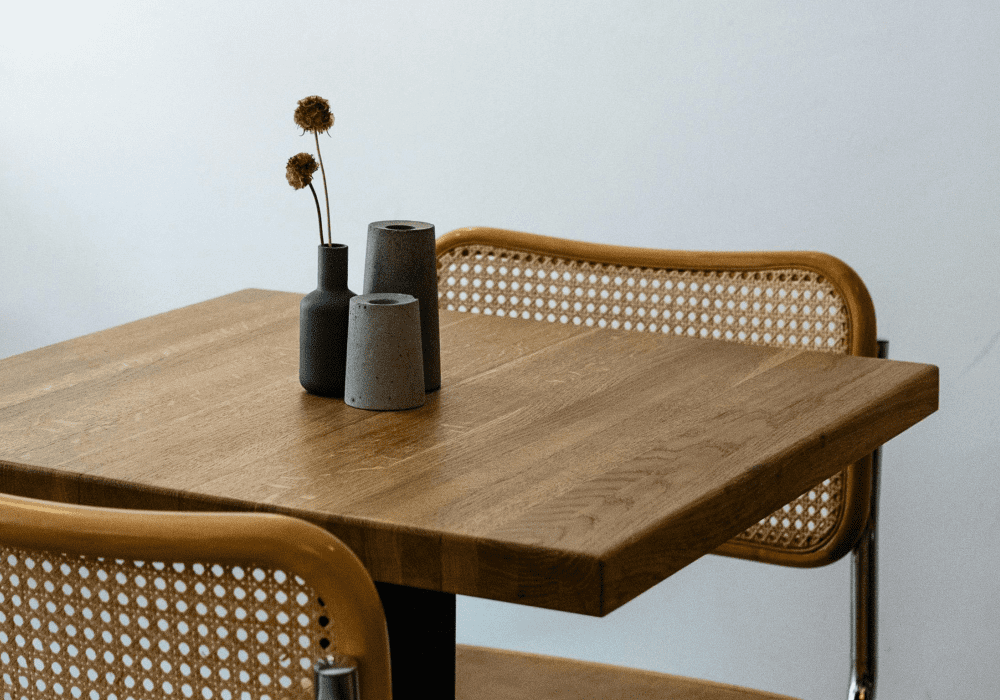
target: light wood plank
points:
(495, 674)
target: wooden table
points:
(559, 466)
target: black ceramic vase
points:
(323, 326)
(401, 259)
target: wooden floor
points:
(496, 674)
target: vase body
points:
(385, 367)
(401, 259)
(323, 317)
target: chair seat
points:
(496, 674)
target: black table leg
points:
(421, 641)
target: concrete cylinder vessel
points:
(385, 365)
(400, 258)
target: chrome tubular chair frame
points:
(864, 593)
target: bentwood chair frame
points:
(130, 603)
(786, 299)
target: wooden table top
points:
(558, 466)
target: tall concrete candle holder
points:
(401, 259)
(385, 366)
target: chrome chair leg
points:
(864, 592)
(336, 678)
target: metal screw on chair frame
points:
(336, 678)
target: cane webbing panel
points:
(774, 307)
(104, 629)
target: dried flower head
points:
(313, 114)
(300, 169)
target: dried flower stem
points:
(329, 224)
(319, 214)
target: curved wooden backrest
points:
(148, 604)
(785, 299)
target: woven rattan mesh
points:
(103, 629)
(784, 308)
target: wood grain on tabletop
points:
(560, 466)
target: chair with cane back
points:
(107, 603)
(802, 300)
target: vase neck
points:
(332, 267)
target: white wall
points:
(142, 150)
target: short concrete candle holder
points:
(385, 364)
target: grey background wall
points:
(142, 152)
